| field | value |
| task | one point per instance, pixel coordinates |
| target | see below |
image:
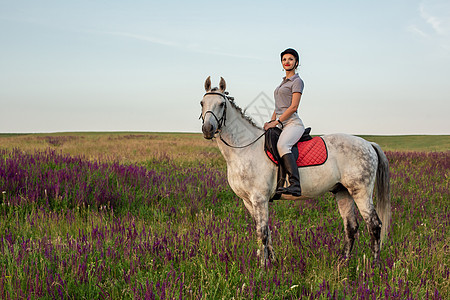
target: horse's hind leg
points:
(370, 216)
(346, 207)
(374, 226)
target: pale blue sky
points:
(369, 67)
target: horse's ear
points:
(222, 85)
(208, 84)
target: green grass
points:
(205, 247)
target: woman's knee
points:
(288, 139)
(283, 149)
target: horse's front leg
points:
(261, 217)
(272, 257)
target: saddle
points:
(308, 151)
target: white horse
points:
(350, 171)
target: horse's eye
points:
(222, 104)
(201, 103)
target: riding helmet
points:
(292, 52)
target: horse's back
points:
(355, 158)
(352, 149)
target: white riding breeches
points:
(292, 131)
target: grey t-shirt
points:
(283, 93)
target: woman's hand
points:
(270, 124)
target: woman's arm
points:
(274, 116)
(291, 109)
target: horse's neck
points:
(238, 132)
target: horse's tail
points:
(383, 191)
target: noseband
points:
(221, 121)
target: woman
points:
(287, 98)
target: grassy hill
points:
(411, 142)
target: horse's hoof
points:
(263, 265)
(274, 261)
(342, 260)
(376, 263)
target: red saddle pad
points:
(312, 153)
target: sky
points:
(369, 67)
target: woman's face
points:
(288, 61)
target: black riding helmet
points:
(293, 53)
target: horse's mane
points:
(235, 106)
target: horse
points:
(353, 167)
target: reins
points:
(222, 120)
(240, 147)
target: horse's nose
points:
(208, 130)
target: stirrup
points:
(297, 192)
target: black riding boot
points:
(281, 179)
(290, 166)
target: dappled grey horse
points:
(350, 171)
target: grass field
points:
(138, 147)
(150, 216)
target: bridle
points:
(223, 119)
